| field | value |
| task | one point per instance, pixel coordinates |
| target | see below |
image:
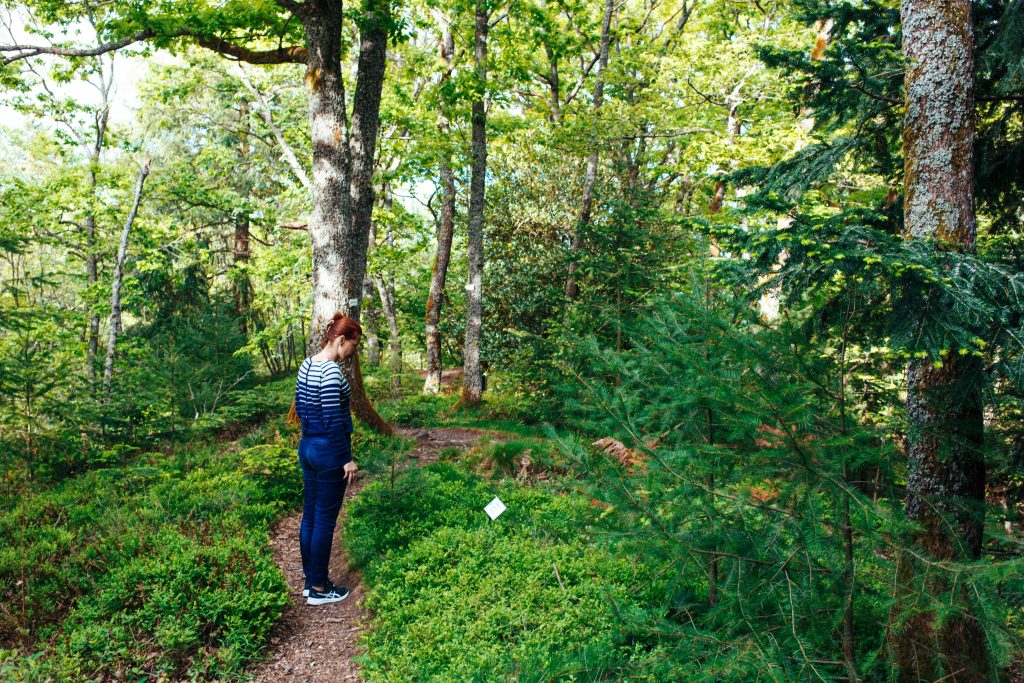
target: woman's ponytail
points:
(293, 415)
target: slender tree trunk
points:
(554, 84)
(472, 387)
(387, 301)
(590, 179)
(386, 289)
(849, 576)
(445, 233)
(268, 119)
(371, 320)
(115, 293)
(342, 173)
(946, 468)
(92, 258)
(242, 253)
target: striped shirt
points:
(322, 402)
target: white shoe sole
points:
(326, 601)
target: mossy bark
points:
(945, 466)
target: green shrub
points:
(457, 596)
(157, 567)
(197, 602)
(419, 409)
(276, 468)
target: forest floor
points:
(317, 644)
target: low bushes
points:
(456, 596)
(156, 568)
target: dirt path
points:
(316, 644)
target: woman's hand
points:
(350, 470)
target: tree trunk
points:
(445, 232)
(342, 171)
(265, 113)
(373, 39)
(472, 387)
(92, 258)
(590, 179)
(241, 253)
(946, 469)
(387, 301)
(115, 290)
(371, 319)
(386, 290)
(331, 219)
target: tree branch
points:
(875, 96)
(282, 55)
(27, 51)
(296, 8)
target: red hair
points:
(341, 326)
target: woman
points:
(325, 453)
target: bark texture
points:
(445, 232)
(331, 218)
(342, 170)
(946, 469)
(472, 378)
(590, 179)
(373, 39)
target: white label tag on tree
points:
(471, 287)
(353, 303)
(494, 508)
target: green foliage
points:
(158, 566)
(456, 595)
(748, 461)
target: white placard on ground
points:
(494, 508)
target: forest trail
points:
(317, 644)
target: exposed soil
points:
(317, 644)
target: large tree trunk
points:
(373, 40)
(946, 469)
(331, 218)
(115, 290)
(590, 179)
(342, 171)
(472, 387)
(445, 232)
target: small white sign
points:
(352, 303)
(494, 508)
(471, 287)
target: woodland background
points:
(739, 281)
